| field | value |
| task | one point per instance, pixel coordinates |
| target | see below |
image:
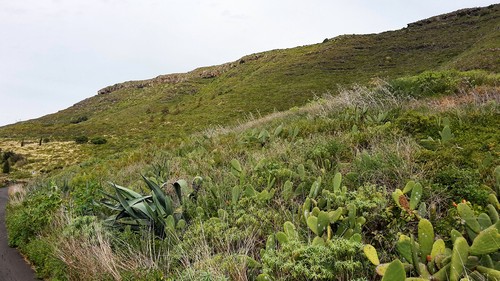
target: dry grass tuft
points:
(17, 192)
(476, 97)
(92, 256)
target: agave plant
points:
(155, 211)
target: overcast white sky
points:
(54, 53)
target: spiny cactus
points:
(402, 202)
(467, 214)
(431, 260)
(425, 238)
(458, 258)
(371, 253)
(446, 134)
(487, 241)
(321, 220)
(395, 272)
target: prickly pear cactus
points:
(458, 258)
(486, 242)
(425, 238)
(371, 253)
(416, 195)
(467, 214)
(395, 272)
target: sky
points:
(55, 53)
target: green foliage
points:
(6, 167)
(81, 139)
(155, 211)
(33, 216)
(432, 83)
(462, 184)
(42, 256)
(335, 259)
(285, 168)
(79, 119)
(430, 260)
(98, 140)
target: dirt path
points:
(12, 265)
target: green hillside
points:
(176, 105)
(365, 157)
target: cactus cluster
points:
(445, 134)
(263, 137)
(247, 190)
(429, 258)
(324, 221)
(415, 190)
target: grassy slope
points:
(274, 80)
(380, 155)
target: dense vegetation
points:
(397, 177)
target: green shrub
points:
(337, 259)
(80, 119)
(429, 83)
(30, 218)
(6, 167)
(81, 139)
(417, 124)
(98, 140)
(41, 253)
(462, 184)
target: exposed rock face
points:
(456, 14)
(170, 78)
(204, 72)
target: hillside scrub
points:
(177, 105)
(276, 195)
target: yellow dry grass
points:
(42, 158)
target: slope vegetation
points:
(178, 104)
(395, 173)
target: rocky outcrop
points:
(204, 72)
(456, 14)
(169, 78)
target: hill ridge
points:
(176, 104)
(217, 70)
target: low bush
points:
(98, 140)
(81, 139)
(337, 259)
(79, 119)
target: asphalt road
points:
(12, 265)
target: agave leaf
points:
(109, 195)
(163, 199)
(125, 205)
(114, 207)
(155, 218)
(143, 211)
(179, 186)
(137, 200)
(126, 192)
(159, 208)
